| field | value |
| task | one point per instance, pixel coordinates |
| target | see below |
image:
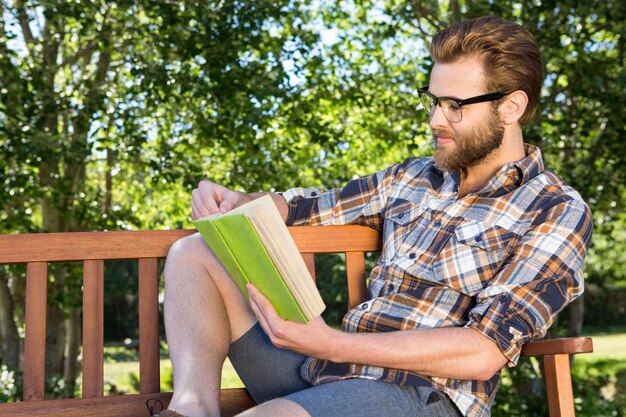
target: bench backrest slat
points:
(355, 271)
(93, 328)
(149, 375)
(35, 331)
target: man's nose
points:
(437, 118)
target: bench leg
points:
(559, 386)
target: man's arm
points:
(453, 352)
(211, 198)
(539, 278)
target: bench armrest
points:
(566, 345)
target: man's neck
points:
(476, 177)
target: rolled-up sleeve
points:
(541, 276)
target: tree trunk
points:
(55, 341)
(8, 329)
(576, 316)
(72, 348)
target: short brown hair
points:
(510, 55)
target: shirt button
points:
(401, 215)
(437, 223)
(478, 238)
(313, 194)
(364, 306)
(503, 298)
(411, 256)
(390, 288)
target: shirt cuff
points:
(300, 203)
(499, 321)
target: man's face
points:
(479, 133)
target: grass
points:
(122, 365)
(608, 342)
(121, 370)
(608, 346)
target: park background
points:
(112, 111)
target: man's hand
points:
(210, 198)
(312, 339)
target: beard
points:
(471, 146)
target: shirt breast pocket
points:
(474, 254)
(399, 231)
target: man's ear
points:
(513, 107)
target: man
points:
(482, 248)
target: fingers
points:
(195, 212)
(210, 198)
(253, 296)
(266, 313)
(229, 201)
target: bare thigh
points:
(276, 408)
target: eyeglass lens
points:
(450, 108)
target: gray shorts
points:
(269, 372)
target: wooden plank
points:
(118, 406)
(149, 373)
(93, 328)
(355, 271)
(79, 246)
(570, 345)
(334, 239)
(232, 402)
(559, 386)
(35, 338)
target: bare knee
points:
(188, 251)
(188, 247)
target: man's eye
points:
(453, 106)
(449, 105)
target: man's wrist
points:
(335, 346)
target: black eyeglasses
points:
(451, 106)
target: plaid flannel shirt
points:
(504, 260)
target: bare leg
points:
(204, 313)
(276, 408)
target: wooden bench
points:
(93, 248)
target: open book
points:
(254, 245)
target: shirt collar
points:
(515, 174)
(532, 164)
(511, 175)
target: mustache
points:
(442, 133)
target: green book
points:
(254, 245)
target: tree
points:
(110, 112)
(99, 98)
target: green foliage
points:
(111, 112)
(9, 384)
(522, 392)
(57, 387)
(330, 275)
(121, 300)
(599, 389)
